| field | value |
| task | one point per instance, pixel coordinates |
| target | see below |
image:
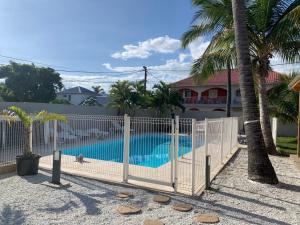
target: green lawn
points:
(287, 145)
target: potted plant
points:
(28, 162)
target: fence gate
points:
(151, 150)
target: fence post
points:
(206, 137)
(172, 149)
(231, 128)
(207, 171)
(222, 144)
(193, 154)
(126, 147)
(30, 137)
(56, 168)
(176, 153)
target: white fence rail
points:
(162, 153)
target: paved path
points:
(235, 199)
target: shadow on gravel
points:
(255, 201)
(37, 179)
(288, 187)
(241, 214)
(9, 216)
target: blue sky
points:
(100, 35)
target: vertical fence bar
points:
(126, 147)
(193, 154)
(231, 128)
(206, 137)
(176, 153)
(30, 137)
(222, 144)
(55, 135)
(172, 149)
(3, 133)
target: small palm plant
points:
(27, 164)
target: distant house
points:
(82, 96)
(210, 95)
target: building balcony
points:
(221, 100)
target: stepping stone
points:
(207, 218)
(152, 222)
(128, 209)
(162, 199)
(182, 207)
(124, 194)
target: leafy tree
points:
(7, 94)
(98, 89)
(139, 97)
(29, 83)
(165, 99)
(259, 166)
(284, 102)
(273, 28)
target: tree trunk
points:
(259, 166)
(264, 115)
(228, 100)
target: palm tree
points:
(165, 99)
(273, 28)
(259, 166)
(98, 89)
(213, 19)
(14, 112)
(284, 102)
(120, 95)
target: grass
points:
(287, 145)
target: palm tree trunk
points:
(264, 115)
(259, 166)
(228, 100)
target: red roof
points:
(220, 78)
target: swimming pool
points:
(149, 150)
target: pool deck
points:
(152, 178)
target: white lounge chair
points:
(117, 127)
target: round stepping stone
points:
(152, 222)
(128, 209)
(207, 218)
(124, 194)
(161, 199)
(181, 207)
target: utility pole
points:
(145, 78)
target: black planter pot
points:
(27, 164)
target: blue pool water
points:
(149, 150)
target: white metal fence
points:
(162, 153)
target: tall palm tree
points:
(213, 18)
(165, 99)
(259, 166)
(266, 22)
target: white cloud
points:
(198, 47)
(182, 57)
(281, 66)
(146, 48)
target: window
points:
(213, 93)
(69, 98)
(65, 96)
(238, 93)
(187, 93)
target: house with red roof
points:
(210, 95)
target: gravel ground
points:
(32, 200)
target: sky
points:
(114, 38)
